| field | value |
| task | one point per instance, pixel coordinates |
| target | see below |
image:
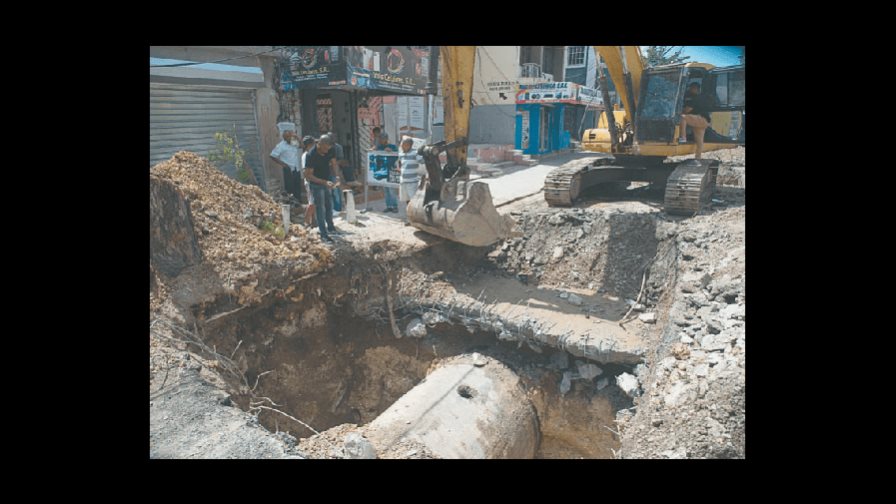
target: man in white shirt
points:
(286, 154)
(409, 166)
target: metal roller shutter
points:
(187, 117)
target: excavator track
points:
(690, 186)
(564, 184)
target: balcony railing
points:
(530, 73)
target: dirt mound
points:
(237, 227)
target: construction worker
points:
(320, 165)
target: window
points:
(722, 89)
(659, 102)
(575, 56)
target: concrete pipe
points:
(470, 407)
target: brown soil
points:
(227, 216)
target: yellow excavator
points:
(644, 135)
(447, 203)
(640, 139)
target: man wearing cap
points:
(286, 154)
(320, 165)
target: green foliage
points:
(228, 151)
(272, 228)
(663, 55)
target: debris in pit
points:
(416, 329)
(629, 384)
(588, 371)
(433, 318)
(566, 382)
(558, 253)
(356, 446)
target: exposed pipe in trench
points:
(470, 407)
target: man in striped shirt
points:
(409, 166)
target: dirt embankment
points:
(225, 236)
(693, 404)
(216, 247)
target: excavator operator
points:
(696, 115)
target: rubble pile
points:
(693, 402)
(604, 251)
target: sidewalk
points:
(516, 183)
(521, 181)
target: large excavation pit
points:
(596, 332)
(327, 354)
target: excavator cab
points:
(447, 203)
(662, 95)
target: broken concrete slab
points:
(537, 317)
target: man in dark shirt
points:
(696, 115)
(320, 165)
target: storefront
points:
(550, 115)
(348, 89)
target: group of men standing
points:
(317, 171)
(321, 167)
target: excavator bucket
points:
(447, 203)
(465, 213)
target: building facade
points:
(188, 105)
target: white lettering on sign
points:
(549, 85)
(501, 86)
